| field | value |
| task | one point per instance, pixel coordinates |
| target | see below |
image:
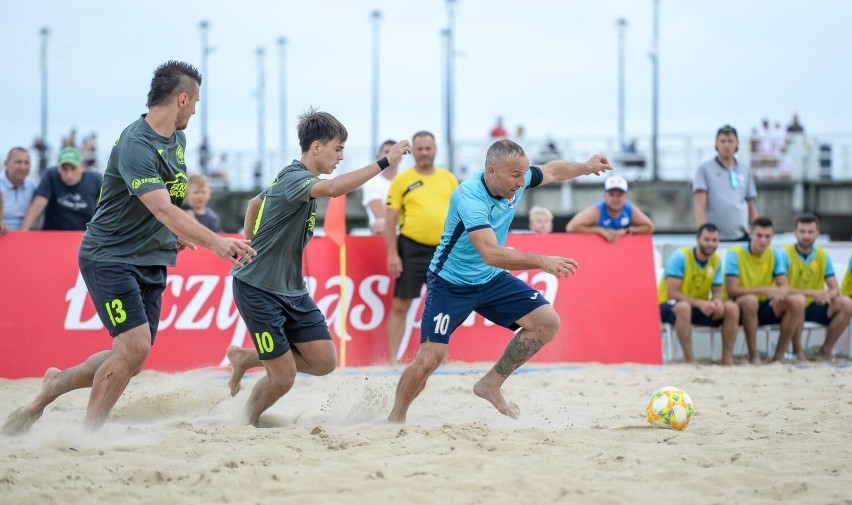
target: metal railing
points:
(804, 158)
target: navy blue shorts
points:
(667, 315)
(125, 296)
(275, 322)
(765, 315)
(503, 300)
(416, 258)
(817, 314)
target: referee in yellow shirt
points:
(418, 200)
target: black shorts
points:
(416, 258)
(125, 296)
(699, 318)
(817, 314)
(275, 321)
(765, 314)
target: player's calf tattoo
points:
(518, 351)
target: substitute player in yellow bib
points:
(690, 292)
(810, 272)
(756, 280)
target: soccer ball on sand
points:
(670, 407)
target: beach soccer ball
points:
(670, 407)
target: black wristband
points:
(383, 163)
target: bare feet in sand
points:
(493, 394)
(239, 365)
(21, 419)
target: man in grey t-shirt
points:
(287, 328)
(137, 230)
(723, 190)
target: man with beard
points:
(690, 292)
(809, 272)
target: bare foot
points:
(801, 358)
(396, 418)
(755, 360)
(239, 365)
(495, 396)
(21, 419)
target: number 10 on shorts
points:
(442, 323)
(264, 341)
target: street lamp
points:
(655, 92)
(282, 99)
(450, 86)
(376, 16)
(621, 23)
(261, 137)
(42, 146)
(204, 152)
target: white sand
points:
(767, 434)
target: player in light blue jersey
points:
(469, 273)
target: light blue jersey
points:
(473, 207)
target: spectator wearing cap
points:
(723, 190)
(16, 188)
(67, 195)
(613, 216)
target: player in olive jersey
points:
(136, 232)
(287, 328)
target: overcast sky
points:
(549, 65)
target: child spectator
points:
(541, 220)
(197, 195)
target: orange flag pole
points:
(335, 229)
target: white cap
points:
(615, 182)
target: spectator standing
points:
(809, 272)
(16, 188)
(375, 191)
(723, 190)
(198, 194)
(795, 126)
(756, 279)
(418, 200)
(67, 195)
(613, 216)
(499, 131)
(690, 293)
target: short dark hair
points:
(762, 221)
(422, 133)
(807, 217)
(387, 142)
(501, 150)
(726, 129)
(708, 227)
(319, 126)
(170, 79)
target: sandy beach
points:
(761, 434)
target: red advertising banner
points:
(608, 310)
